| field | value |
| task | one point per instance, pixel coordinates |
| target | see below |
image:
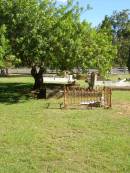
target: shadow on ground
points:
(55, 91)
(14, 92)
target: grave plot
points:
(57, 80)
(75, 97)
(116, 84)
(121, 84)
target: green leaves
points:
(4, 46)
(98, 51)
(118, 26)
(44, 33)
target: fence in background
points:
(119, 70)
(24, 70)
(19, 71)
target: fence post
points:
(104, 95)
(65, 98)
(110, 93)
(107, 97)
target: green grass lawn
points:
(121, 76)
(38, 140)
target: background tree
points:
(28, 24)
(119, 26)
(67, 38)
(42, 34)
(5, 56)
(99, 52)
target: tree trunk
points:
(128, 62)
(38, 81)
(38, 78)
(38, 84)
(3, 72)
(92, 81)
(7, 72)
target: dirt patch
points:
(123, 109)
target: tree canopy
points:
(118, 26)
(41, 33)
(4, 45)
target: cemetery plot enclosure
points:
(84, 98)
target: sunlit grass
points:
(121, 76)
(34, 139)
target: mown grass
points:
(38, 140)
(116, 77)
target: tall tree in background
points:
(99, 51)
(106, 26)
(119, 27)
(67, 37)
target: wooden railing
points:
(76, 96)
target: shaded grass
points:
(38, 140)
(15, 89)
(14, 92)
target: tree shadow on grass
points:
(55, 92)
(11, 93)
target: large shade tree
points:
(29, 23)
(43, 35)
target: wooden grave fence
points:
(76, 96)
